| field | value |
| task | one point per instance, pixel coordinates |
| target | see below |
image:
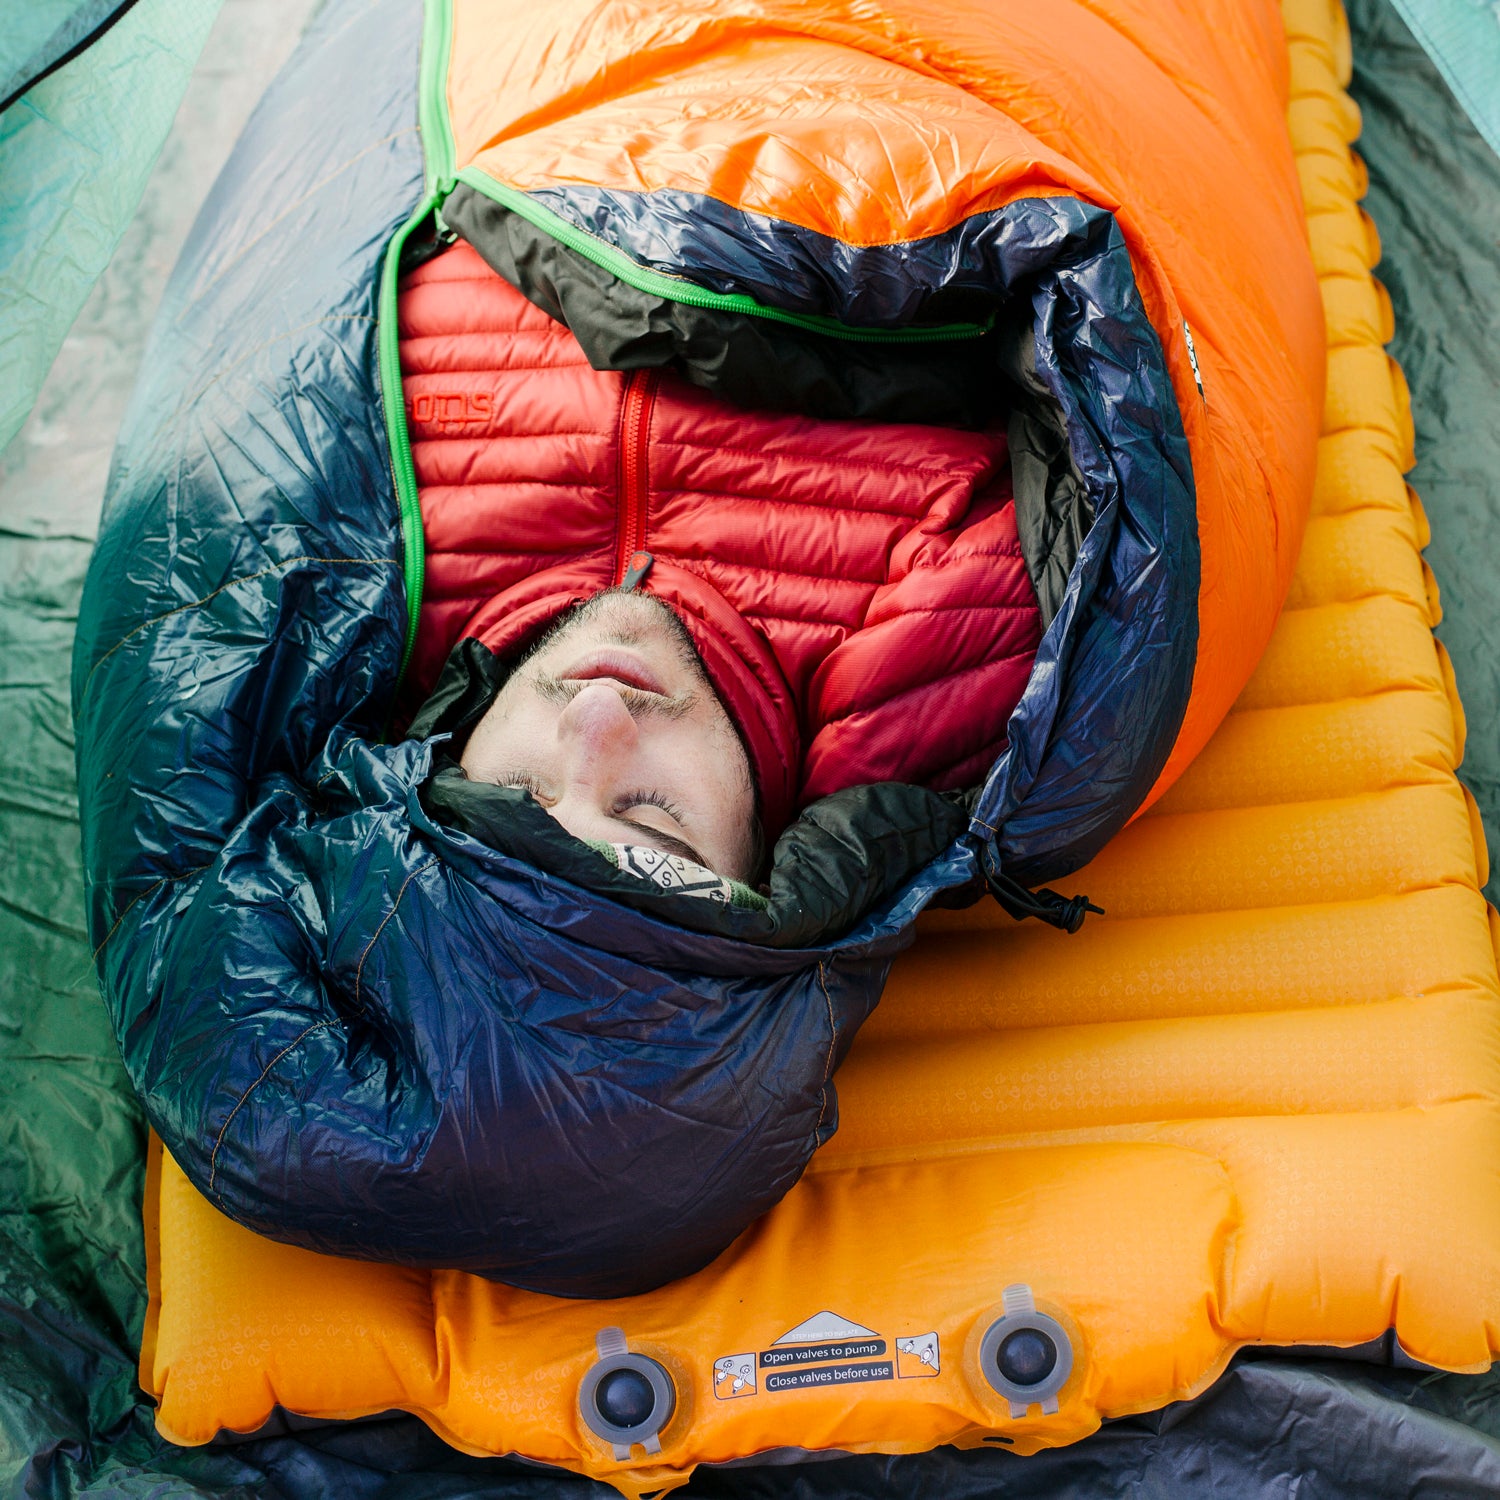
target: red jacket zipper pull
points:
(634, 481)
(638, 566)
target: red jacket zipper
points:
(635, 433)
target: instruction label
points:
(826, 1349)
(917, 1356)
(734, 1376)
(812, 1354)
(815, 1375)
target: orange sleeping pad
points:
(1258, 1103)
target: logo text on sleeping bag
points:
(825, 1350)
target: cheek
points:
(515, 727)
(716, 764)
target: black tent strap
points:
(75, 35)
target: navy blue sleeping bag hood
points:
(363, 1030)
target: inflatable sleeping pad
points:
(1254, 1104)
(361, 1030)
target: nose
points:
(596, 732)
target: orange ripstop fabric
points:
(1257, 1103)
(886, 124)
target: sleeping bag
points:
(362, 1030)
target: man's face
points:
(613, 726)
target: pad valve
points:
(625, 1398)
(1026, 1355)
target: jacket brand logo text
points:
(450, 408)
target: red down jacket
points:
(856, 590)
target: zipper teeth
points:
(403, 468)
(438, 161)
(432, 95)
(635, 427)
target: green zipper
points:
(441, 176)
(403, 469)
(442, 173)
(432, 97)
(437, 151)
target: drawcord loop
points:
(1066, 912)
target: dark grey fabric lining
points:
(747, 360)
(1053, 508)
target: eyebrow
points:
(666, 842)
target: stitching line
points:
(413, 368)
(328, 321)
(328, 774)
(483, 440)
(297, 203)
(213, 1160)
(912, 513)
(291, 562)
(360, 968)
(131, 904)
(828, 1062)
(926, 686)
(939, 470)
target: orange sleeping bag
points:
(843, 129)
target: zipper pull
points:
(637, 567)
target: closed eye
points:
(525, 782)
(654, 837)
(663, 840)
(652, 799)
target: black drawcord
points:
(1066, 912)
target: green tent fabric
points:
(43, 35)
(72, 1281)
(37, 35)
(1463, 38)
(76, 149)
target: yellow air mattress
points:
(1255, 1104)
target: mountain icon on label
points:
(826, 1328)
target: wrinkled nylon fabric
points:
(929, 140)
(75, 152)
(390, 971)
(393, 979)
(1127, 623)
(1339, 1432)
